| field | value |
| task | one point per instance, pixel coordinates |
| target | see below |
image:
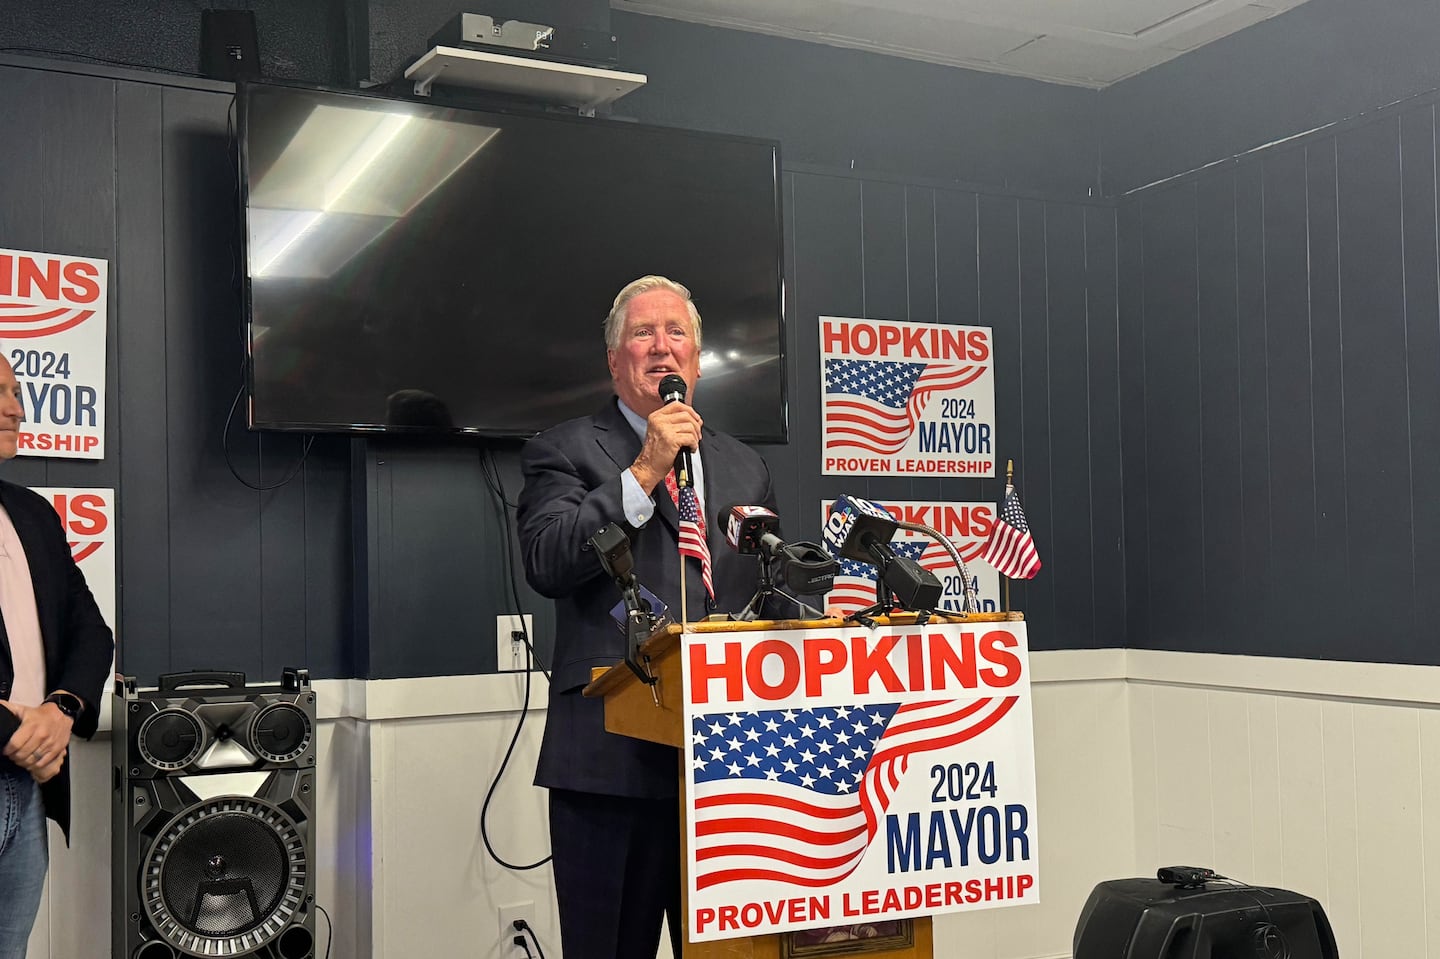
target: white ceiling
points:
(1090, 43)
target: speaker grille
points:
(225, 877)
(170, 739)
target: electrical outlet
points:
(510, 652)
(508, 932)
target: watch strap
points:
(68, 703)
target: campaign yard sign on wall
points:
(843, 774)
(906, 399)
(52, 329)
(966, 524)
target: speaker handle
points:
(169, 682)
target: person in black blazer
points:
(614, 820)
(43, 706)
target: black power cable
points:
(524, 926)
(497, 488)
(330, 930)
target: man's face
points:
(658, 339)
(12, 411)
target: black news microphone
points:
(860, 530)
(673, 388)
(751, 529)
(612, 548)
(755, 530)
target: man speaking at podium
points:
(614, 818)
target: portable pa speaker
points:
(1151, 919)
(213, 839)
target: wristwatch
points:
(67, 703)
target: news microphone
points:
(855, 526)
(636, 614)
(751, 529)
(612, 547)
(860, 530)
(672, 388)
(755, 530)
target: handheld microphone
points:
(673, 388)
(755, 530)
(860, 530)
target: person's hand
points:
(43, 774)
(835, 612)
(41, 740)
(15, 708)
(669, 429)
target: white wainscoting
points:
(1314, 776)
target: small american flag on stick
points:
(1011, 548)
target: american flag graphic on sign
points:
(854, 587)
(874, 405)
(797, 795)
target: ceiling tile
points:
(953, 41)
(1221, 26)
(1123, 18)
(1087, 42)
(800, 16)
(1063, 58)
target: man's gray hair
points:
(615, 322)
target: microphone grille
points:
(673, 385)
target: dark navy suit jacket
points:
(572, 489)
(78, 644)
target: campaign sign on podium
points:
(848, 774)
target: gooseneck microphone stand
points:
(970, 603)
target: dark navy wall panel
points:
(1316, 355)
(1107, 521)
(1071, 555)
(1034, 477)
(1130, 321)
(1254, 435)
(1222, 468)
(210, 574)
(1172, 415)
(1422, 355)
(1294, 571)
(827, 281)
(998, 304)
(1376, 419)
(1327, 381)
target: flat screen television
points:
(417, 267)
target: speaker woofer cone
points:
(225, 877)
(170, 739)
(280, 733)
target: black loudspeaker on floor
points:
(213, 817)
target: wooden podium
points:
(657, 714)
